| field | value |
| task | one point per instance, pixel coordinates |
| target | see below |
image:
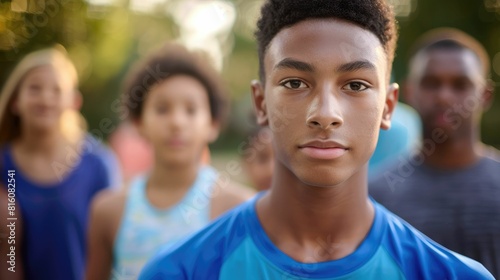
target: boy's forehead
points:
(326, 40)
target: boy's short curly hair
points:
(373, 15)
(166, 62)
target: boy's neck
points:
(319, 223)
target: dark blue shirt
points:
(55, 217)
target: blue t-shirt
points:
(55, 217)
(236, 247)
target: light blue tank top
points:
(144, 228)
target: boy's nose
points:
(324, 111)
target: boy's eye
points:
(294, 84)
(355, 86)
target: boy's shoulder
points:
(420, 257)
(201, 255)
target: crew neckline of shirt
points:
(326, 269)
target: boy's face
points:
(448, 90)
(176, 120)
(325, 98)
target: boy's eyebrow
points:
(295, 64)
(356, 65)
(306, 67)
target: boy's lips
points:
(323, 149)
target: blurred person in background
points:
(258, 158)
(175, 99)
(449, 189)
(58, 166)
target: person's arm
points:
(227, 196)
(106, 208)
(10, 268)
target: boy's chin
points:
(323, 183)
(324, 179)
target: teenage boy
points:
(324, 93)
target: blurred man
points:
(449, 189)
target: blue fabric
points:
(144, 227)
(236, 247)
(55, 217)
(399, 140)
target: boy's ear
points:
(488, 94)
(390, 104)
(259, 102)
